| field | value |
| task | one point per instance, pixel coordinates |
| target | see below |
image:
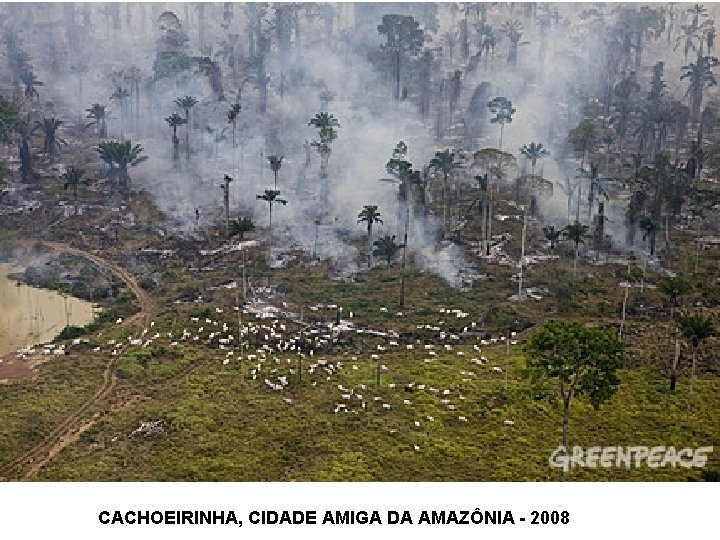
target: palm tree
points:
(533, 152)
(444, 162)
(232, 116)
(119, 156)
(700, 77)
(650, 228)
(271, 197)
(49, 127)
(72, 178)
(552, 235)
(186, 103)
(387, 248)
(99, 116)
(503, 110)
(175, 120)
(696, 329)
(238, 227)
(275, 164)
(673, 288)
(577, 233)
(370, 215)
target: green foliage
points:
(148, 284)
(72, 177)
(402, 34)
(369, 214)
(233, 113)
(121, 154)
(398, 166)
(576, 232)
(72, 332)
(326, 124)
(696, 328)
(387, 248)
(169, 63)
(533, 152)
(674, 287)
(580, 360)
(552, 235)
(174, 121)
(10, 120)
(503, 110)
(271, 196)
(444, 162)
(238, 227)
(275, 163)
(584, 137)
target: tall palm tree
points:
(370, 215)
(186, 103)
(275, 164)
(232, 116)
(387, 248)
(650, 229)
(444, 163)
(49, 127)
(695, 328)
(533, 152)
(700, 77)
(238, 227)
(174, 121)
(271, 197)
(99, 116)
(119, 156)
(72, 178)
(576, 232)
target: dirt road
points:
(73, 425)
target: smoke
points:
(320, 217)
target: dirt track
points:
(73, 425)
